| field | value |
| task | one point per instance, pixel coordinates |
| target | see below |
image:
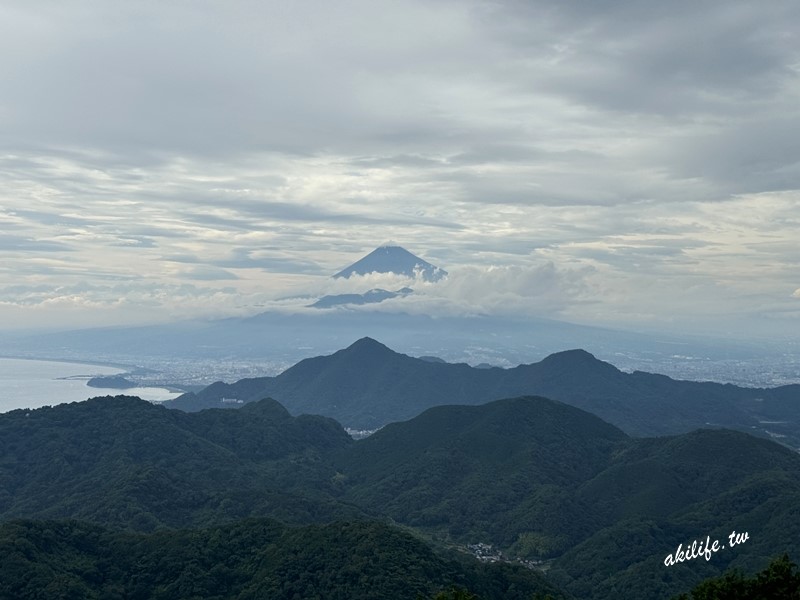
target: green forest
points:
(780, 580)
(115, 492)
(252, 559)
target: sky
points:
(626, 164)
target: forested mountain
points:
(779, 581)
(504, 472)
(124, 461)
(534, 477)
(368, 385)
(249, 560)
(546, 480)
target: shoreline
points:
(29, 381)
(76, 361)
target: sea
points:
(28, 383)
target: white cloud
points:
(603, 162)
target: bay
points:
(28, 383)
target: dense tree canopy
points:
(538, 479)
(779, 581)
(249, 560)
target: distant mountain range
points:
(368, 385)
(275, 338)
(533, 477)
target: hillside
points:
(780, 580)
(368, 385)
(486, 473)
(536, 478)
(663, 492)
(249, 560)
(393, 259)
(545, 480)
(123, 461)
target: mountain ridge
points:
(367, 385)
(156, 467)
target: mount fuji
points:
(393, 259)
(384, 259)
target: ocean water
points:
(35, 383)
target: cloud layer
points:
(605, 162)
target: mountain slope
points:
(545, 480)
(485, 472)
(368, 385)
(123, 461)
(780, 580)
(393, 259)
(248, 560)
(535, 477)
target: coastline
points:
(32, 382)
(75, 361)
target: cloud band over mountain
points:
(235, 153)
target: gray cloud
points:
(666, 58)
(207, 273)
(752, 156)
(48, 218)
(12, 243)
(268, 259)
(261, 146)
(133, 241)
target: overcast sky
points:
(600, 161)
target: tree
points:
(779, 581)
